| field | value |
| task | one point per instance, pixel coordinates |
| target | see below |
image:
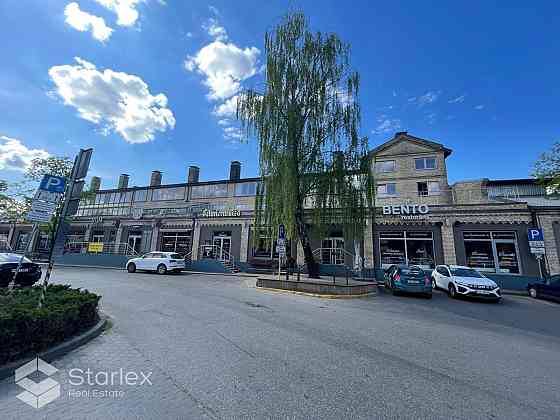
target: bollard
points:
(334, 279)
(298, 273)
(346, 276)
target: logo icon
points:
(37, 394)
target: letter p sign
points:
(535, 234)
(52, 183)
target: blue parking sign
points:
(281, 232)
(535, 234)
(52, 183)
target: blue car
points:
(408, 279)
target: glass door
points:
(332, 251)
(222, 247)
(134, 241)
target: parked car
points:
(549, 288)
(465, 281)
(28, 275)
(161, 262)
(408, 278)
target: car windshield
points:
(465, 272)
(8, 258)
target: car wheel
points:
(161, 269)
(452, 291)
(434, 285)
(131, 268)
(533, 293)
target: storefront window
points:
(179, 242)
(415, 248)
(22, 240)
(492, 251)
(265, 247)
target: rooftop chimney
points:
(235, 170)
(194, 172)
(123, 181)
(95, 183)
(155, 180)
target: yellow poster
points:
(95, 247)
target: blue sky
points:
(480, 78)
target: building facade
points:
(419, 218)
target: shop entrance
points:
(135, 240)
(332, 251)
(222, 245)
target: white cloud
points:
(83, 21)
(227, 109)
(15, 156)
(386, 125)
(428, 98)
(457, 100)
(479, 107)
(214, 10)
(115, 101)
(215, 30)
(224, 66)
(127, 15)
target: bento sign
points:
(407, 211)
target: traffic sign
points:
(537, 251)
(535, 234)
(51, 197)
(536, 244)
(281, 232)
(53, 183)
(38, 217)
(43, 206)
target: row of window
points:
(425, 163)
(424, 188)
(174, 193)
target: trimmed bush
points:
(26, 330)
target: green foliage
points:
(52, 165)
(307, 119)
(26, 329)
(547, 168)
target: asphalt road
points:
(218, 348)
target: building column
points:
(551, 249)
(11, 235)
(155, 236)
(244, 246)
(195, 241)
(118, 236)
(300, 258)
(369, 260)
(87, 234)
(448, 242)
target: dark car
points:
(29, 272)
(408, 278)
(549, 288)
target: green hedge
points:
(27, 330)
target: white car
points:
(161, 262)
(464, 281)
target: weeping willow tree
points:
(313, 162)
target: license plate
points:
(414, 282)
(21, 270)
(483, 292)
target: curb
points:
(504, 291)
(295, 292)
(58, 350)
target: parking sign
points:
(535, 235)
(52, 183)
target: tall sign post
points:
(281, 246)
(72, 193)
(536, 245)
(43, 206)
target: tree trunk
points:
(312, 266)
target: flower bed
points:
(26, 330)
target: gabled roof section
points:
(404, 136)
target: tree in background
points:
(306, 120)
(547, 168)
(16, 197)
